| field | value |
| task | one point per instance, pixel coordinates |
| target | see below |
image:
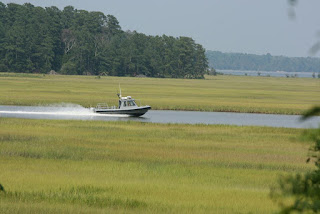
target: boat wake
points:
(62, 109)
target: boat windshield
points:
(131, 103)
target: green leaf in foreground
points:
(301, 192)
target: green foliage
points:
(240, 61)
(312, 112)
(37, 40)
(301, 192)
(69, 68)
(3, 68)
(1, 188)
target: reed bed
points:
(131, 167)
(220, 93)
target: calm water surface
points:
(269, 73)
(76, 112)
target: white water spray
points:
(58, 109)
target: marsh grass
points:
(219, 93)
(131, 167)
(83, 195)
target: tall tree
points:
(34, 39)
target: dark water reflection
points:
(76, 112)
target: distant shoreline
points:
(266, 62)
(285, 74)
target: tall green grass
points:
(130, 167)
(220, 93)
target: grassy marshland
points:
(220, 93)
(128, 167)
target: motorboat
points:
(127, 105)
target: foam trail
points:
(63, 109)
(64, 113)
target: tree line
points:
(70, 41)
(267, 62)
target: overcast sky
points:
(248, 26)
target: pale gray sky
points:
(248, 26)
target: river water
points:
(269, 73)
(77, 112)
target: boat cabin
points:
(125, 102)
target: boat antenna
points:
(119, 95)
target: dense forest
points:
(71, 41)
(240, 61)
